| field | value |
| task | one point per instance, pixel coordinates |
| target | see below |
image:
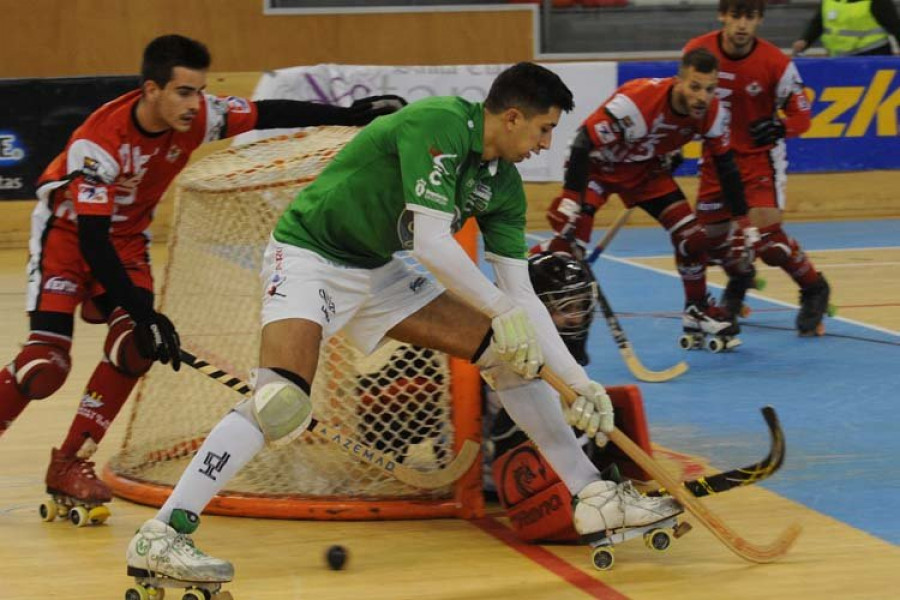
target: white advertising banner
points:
(591, 83)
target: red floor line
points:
(593, 587)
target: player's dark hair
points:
(701, 60)
(530, 88)
(169, 51)
(742, 7)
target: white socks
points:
(230, 445)
(535, 408)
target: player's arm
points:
(794, 117)
(813, 31)
(592, 412)
(275, 114)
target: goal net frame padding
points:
(416, 403)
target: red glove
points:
(564, 212)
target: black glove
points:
(766, 131)
(670, 161)
(366, 109)
(157, 339)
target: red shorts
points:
(59, 279)
(763, 176)
(633, 182)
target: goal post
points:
(416, 404)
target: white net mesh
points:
(396, 400)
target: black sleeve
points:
(273, 114)
(730, 179)
(885, 13)
(577, 167)
(814, 28)
(101, 256)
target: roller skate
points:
(607, 514)
(76, 493)
(732, 300)
(702, 320)
(813, 307)
(163, 556)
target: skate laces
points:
(184, 542)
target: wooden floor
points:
(446, 559)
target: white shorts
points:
(364, 303)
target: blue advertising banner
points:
(855, 102)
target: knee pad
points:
(775, 248)
(121, 348)
(690, 240)
(42, 365)
(280, 407)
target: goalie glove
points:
(516, 343)
(767, 131)
(592, 412)
(157, 339)
(367, 109)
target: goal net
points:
(414, 403)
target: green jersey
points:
(427, 155)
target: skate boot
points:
(164, 556)
(732, 300)
(813, 307)
(76, 493)
(704, 319)
(607, 513)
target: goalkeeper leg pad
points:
(280, 405)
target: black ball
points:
(336, 557)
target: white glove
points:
(515, 342)
(592, 412)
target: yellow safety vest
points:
(850, 28)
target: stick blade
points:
(431, 480)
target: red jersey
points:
(638, 123)
(757, 86)
(112, 167)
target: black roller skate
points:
(702, 320)
(813, 307)
(732, 300)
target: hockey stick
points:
(722, 482)
(609, 235)
(631, 360)
(731, 539)
(351, 446)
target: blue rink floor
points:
(838, 396)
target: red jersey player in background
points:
(764, 92)
(89, 243)
(622, 148)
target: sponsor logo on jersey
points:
(91, 194)
(479, 198)
(90, 168)
(605, 132)
(275, 282)
(440, 169)
(237, 105)
(11, 150)
(706, 206)
(753, 88)
(60, 285)
(173, 154)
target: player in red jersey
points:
(764, 92)
(622, 148)
(89, 240)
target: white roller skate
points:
(162, 556)
(607, 514)
(702, 320)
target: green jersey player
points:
(408, 181)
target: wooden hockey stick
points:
(631, 360)
(611, 232)
(731, 539)
(354, 448)
(728, 480)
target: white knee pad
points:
(279, 407)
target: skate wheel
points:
(48, 510)
(603, 558)
(831, 310)
(658, 539)
(137, 593)
(79, 516)
(98, 515)
(760, 283)
(745, 311)
(686, 342)
(156, 593)
(196, 595)
(715, 345)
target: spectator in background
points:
(852, 28)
